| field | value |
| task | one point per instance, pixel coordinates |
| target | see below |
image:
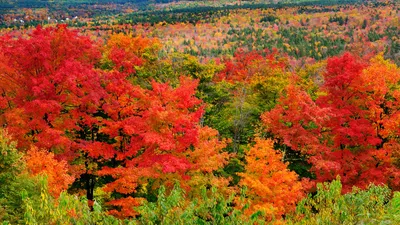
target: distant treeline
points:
(197, 13)
(14, 4)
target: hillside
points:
(200, 112)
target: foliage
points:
(348, 130)
(50, 88)
(158, 139)
(88, 122)
(154, 113)
(329, 206)
(271, 187)
(124, 53)
(13, 181)
(66, 209)
(43, 163)
(248, 85)
(209, 208)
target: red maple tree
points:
(349, 130)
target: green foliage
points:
(209, 208)
(393, 209)
(269, 18)
(206, 13)
(171, 68)
(25, 199)
(66, 209)
(219, 95)
(329, 206)
(13, 181)
(10, 159)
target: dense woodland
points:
(200, 112)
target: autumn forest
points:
(200, 112)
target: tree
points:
(109, 130)
(51, 93)
(271, 187)
(156, 138)
(208, 208)
(123, 52)
(253, 80)
(330, 206)
(65, 209)
(361, 98)
(346, 131)
(14, 179)
(49, 84)
(42, 162)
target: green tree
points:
(13, 180)
(210, 208)
(329, 206)
(66, 209)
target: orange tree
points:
(271, 187)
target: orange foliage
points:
(272, 188)
(136, 45)
(126, 52)
(207, 157)
(126, 205)
(43, 162)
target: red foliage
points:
(297, 121)
(50, 86)
(153, 131)
(55, 99)
(244, 65)
(344, 131)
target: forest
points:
(200, 112)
